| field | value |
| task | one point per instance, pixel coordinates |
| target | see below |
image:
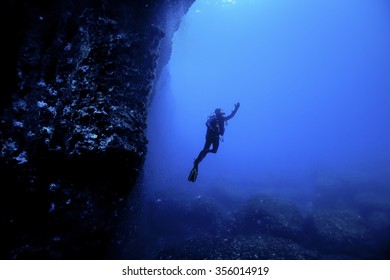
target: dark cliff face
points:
(79, 79)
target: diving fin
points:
(193, 175)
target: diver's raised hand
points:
(236, 106)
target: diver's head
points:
(219, 112)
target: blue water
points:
(312, 78)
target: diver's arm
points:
(236, 106)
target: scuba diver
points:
(215, 131)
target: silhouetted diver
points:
(215, 131)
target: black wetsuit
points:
(215, 128)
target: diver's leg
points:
(202, 153)
(215, 143)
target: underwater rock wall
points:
(74, 104)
